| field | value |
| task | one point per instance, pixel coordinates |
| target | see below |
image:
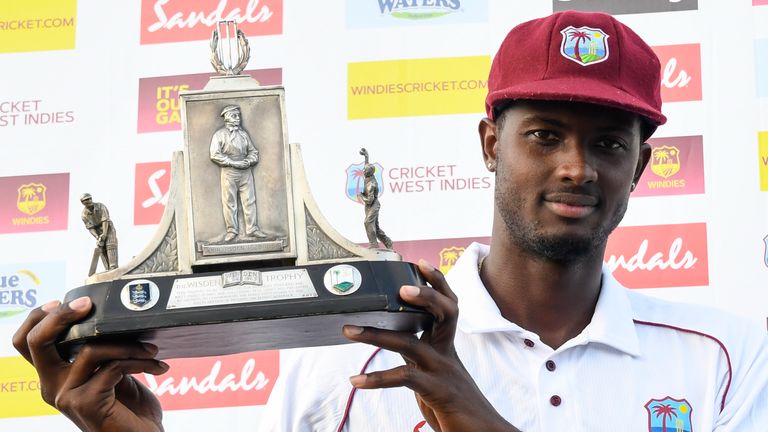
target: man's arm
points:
(252, 157)
(445, 392)
(217, 155)
(746, 398)
(96, 391)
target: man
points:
(547, 340)
(95, 217)
(370, 197)
(233, 150)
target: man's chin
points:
(563, 249)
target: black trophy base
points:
(219, 313)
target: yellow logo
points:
(762, 142)
(397, 88)
(20, 390)
(665, 161)
(448, 258)
(31, 198)
(39, 25)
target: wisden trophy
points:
(243, 259)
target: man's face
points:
(232, 117)
(563, 174)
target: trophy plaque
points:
(242, 259)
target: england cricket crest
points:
(356, 180)
(584, 45)
(665, 161)
(140, 295)
(669, 414)
(31, 198)
(448, 258)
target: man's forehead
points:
(560, 112)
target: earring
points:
(490, 166)
(632, 187)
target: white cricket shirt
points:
(642, 364)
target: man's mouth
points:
(571, 205)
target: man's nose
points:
(576, 165)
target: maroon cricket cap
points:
(577, 56)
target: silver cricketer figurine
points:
(95, 217)
(370, 197)
(232, 149)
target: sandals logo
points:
(153, 182)
(659, 256)
(34, 203)
(617, 7)
(165, 21)
(39, 25)
(389, 13)
(680, 72)
(214, 382)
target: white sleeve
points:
(313, 387)
(746, 402)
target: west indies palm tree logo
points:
(448, 257)
(669, 414)
(665, 161)
(31, 198)
(584, 45)
(356, 180)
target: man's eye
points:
(611, 144)
(544, 135)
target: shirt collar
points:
(611, 323)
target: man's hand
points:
(242, 164)
(96, 391)
(445, 392)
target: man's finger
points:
(92, 355)
(436, 279)
(35, 316)
(110, 374)
(402, 376)
(407, 345)
(444, 309)
(41, 339)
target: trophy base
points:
(227, 312)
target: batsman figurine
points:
(370, 197)
(96, 219)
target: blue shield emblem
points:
(139, 294)
(669, 414)
(356, 179)
(584, 45)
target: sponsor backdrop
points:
(89, 103)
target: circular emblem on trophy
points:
(342, 279)
(140, 295)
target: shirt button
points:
(555, 400)
(529, 343)
(551, 366)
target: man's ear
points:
(488, 140)
(642, 161)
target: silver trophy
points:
(242, 248)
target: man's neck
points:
(555, 300)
